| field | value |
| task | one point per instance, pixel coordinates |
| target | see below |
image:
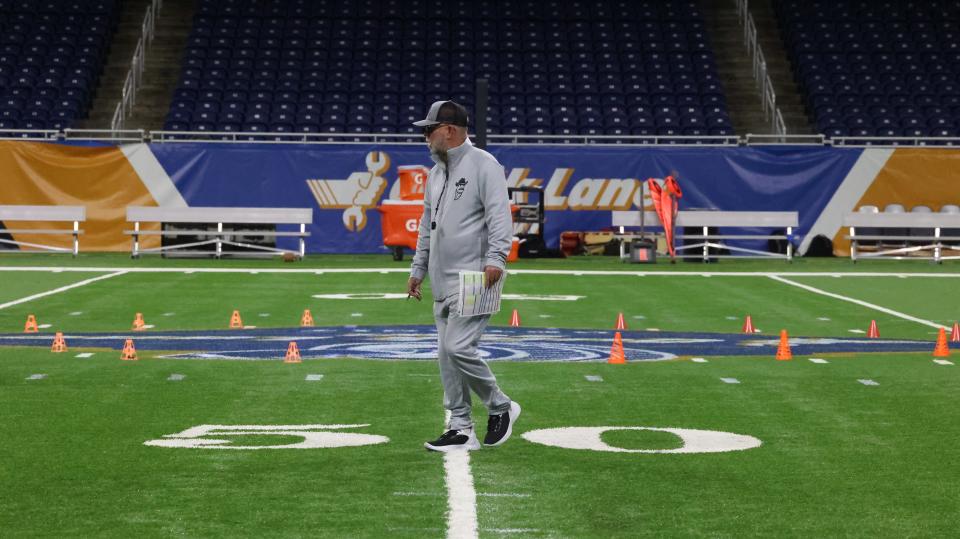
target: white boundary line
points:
(58, 290)
(461, 496)
(406, 270)
(885, 310)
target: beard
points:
(439, 151)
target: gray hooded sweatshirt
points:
(466, 222)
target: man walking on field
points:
(466, 226)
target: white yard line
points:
(58, 290)
(862, 303)
(461, 496)
(321, 271)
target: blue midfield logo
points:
(420, 343)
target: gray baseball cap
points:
(444, 112)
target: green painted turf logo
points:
(329, 436)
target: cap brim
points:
(425, 123)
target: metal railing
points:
(751, 139)
(755, 140)
(113, 135)
(768, 97)
(29, 134)
(134, 79)
(380, 138)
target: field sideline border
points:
(575, 273)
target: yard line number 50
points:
(326, 436)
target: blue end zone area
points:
(419, 343)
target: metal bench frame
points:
(218, 216)
(933, 243)
(729, 219)
(66, 214)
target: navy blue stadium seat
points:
(541, 58)
(852, 54)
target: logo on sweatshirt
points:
(461, 184)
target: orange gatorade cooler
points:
(412, 180)
(400, 223)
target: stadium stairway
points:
(735, 68)
(789, 97)
(162, 65)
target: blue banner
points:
(345, 183)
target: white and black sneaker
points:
(454, 440)
(500, 426)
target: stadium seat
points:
(354, 54)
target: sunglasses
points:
(428, 130)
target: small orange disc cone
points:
(873, 332)
(515, 319)
(30, 326)
(129, 351)
(293, 353)
(783, 350)
(621, 325)
(138, 323)
(235, 321)
(616, 351)
(59, 344)
(306, 321)
(941, 350)
(748, 326)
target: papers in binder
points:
(475, 297)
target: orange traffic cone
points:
(306, 321)
(129, 352)
(59, 344)
(955, 334)
(873, 332)
(941, 350)
(235, 321)
(293, 353)
(138, 323)
(616, 351)
(748, 326)
(31, 324)
(515, 319)
(621, 325)
(783, 350)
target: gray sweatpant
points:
(461, 368)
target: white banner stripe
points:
(884, 310)
(850, 191)
(58, 290)
(153, 176)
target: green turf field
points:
(838, 457)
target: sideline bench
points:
(934, 230)
(787, 220)
(64, 214)
(221, 237)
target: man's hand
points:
(493, 275)
(413, 288)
